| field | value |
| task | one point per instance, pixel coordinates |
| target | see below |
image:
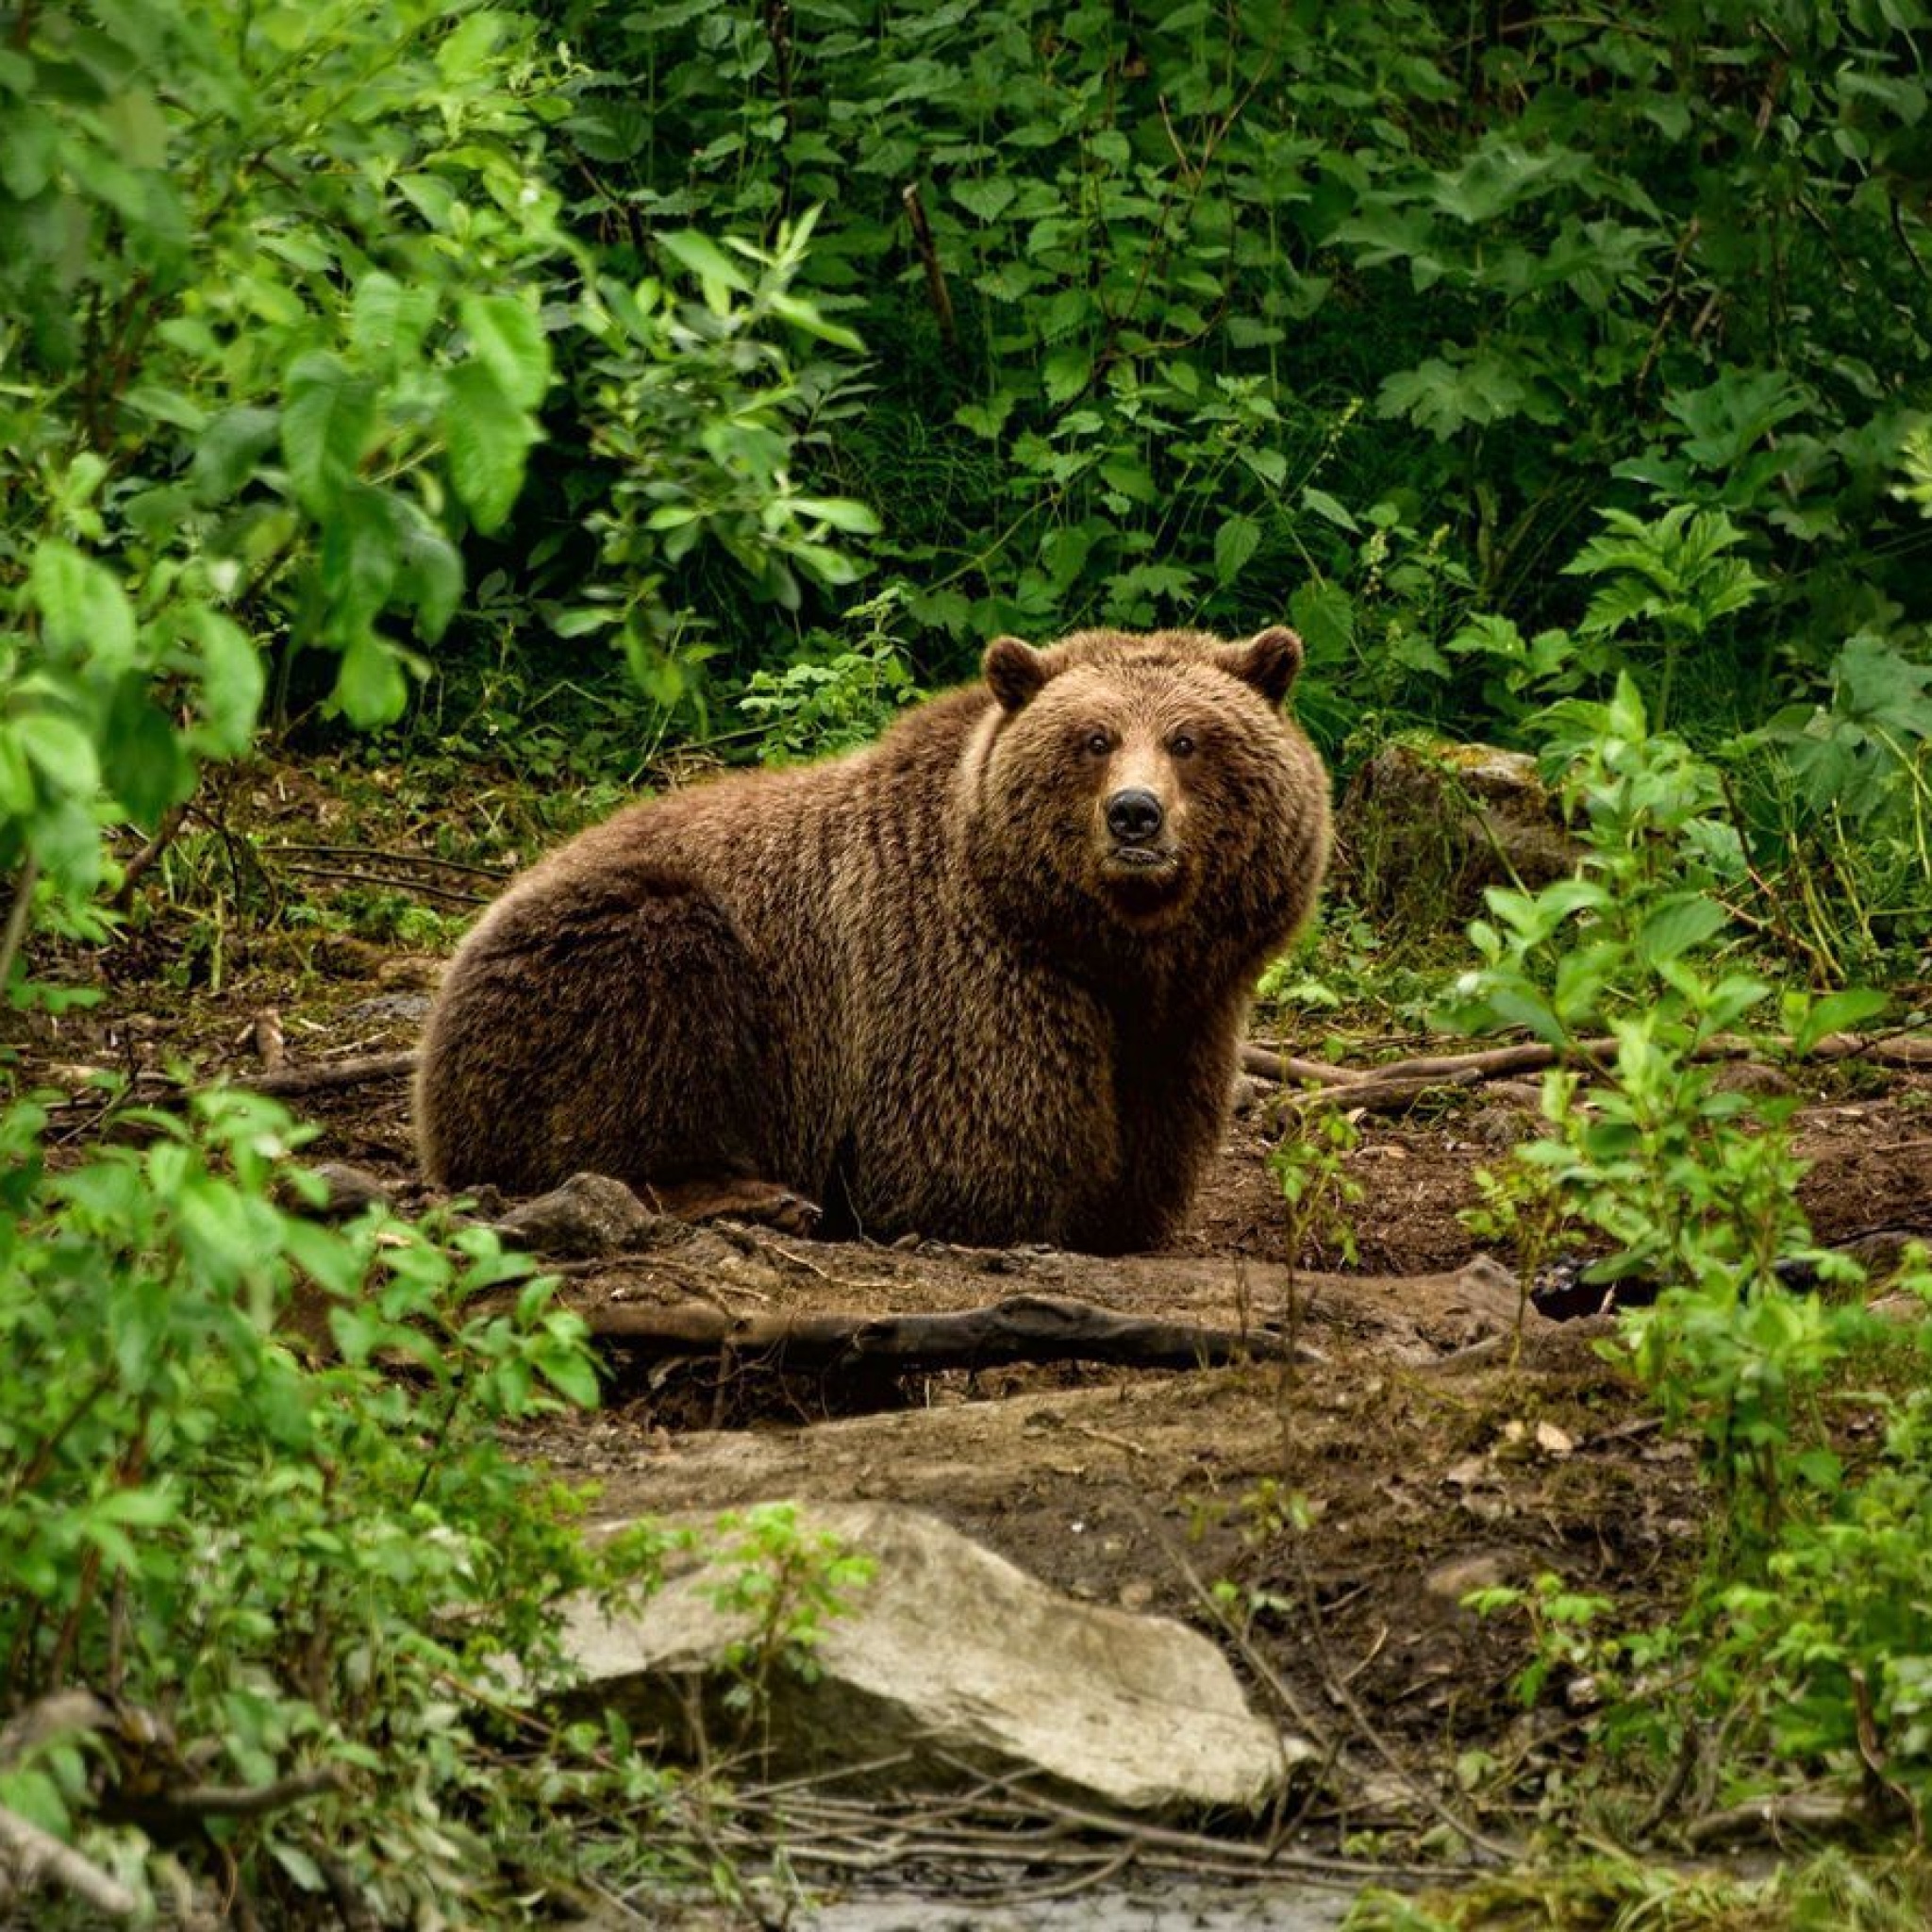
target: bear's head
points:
(1143, 778)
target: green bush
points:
(294, 1578)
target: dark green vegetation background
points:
(523, 342)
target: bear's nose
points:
(1133, 816)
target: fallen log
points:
(1532, 1055)
(1021, 1328)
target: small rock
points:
(350, 1190)
(1477, 1570)
(590, 1215)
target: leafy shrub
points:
(289, 1579)
(1187, 313)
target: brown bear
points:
(984, 980)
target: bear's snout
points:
(1134, 815)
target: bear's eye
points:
(1099, 744)
(1181, 745)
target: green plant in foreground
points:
(1807, 1631)
(788, 1581)
(299, 1580)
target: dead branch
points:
(188, 1802)
(1274, 1063)
(143, 861)
(1532, 1055)
(351, 877)
(495, 873)
(936, 291)
(1775, 1820)
(1378, 1095)
(33, 1855)
(291, 1081)
(1022, 1328)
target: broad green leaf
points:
(147, 764)
(328, 422)
(388, 319)
(1067, 370)
(1329, 508)
(370, 687)
(84, 611)
(1679, 924)
(1324, 615)
(430, 580)
(1235, 544)
(987, 199)
(805, 315)
(506, 337)
(489, 439)
(231, 678)
(360, 557)
(842, 512)
(63, 752)
(707, 260)
(1836, 1012)
(228, 450)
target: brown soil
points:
(1437, 1436)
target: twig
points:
(1339, 1689)
(496, 873)
(349, 877)
(1379, 1096)
(936, 291)
(18, 913)
(241, 1801)
(142, 861)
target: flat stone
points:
(950, 1664)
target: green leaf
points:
(1835, 1013)
(228, 451)
(842, 512)
(63, 752)
(489, 439)
(430, 579)
(389, 320)
(1329, 508)
(508, 338)
(326, 424)
(147, 762)
(1067, 370)
(84, 611)
(231, 677)
(1235, 544)
(708, 261)
(1323, 613)
(360, 557)
(370, 687)
(987, 199)
(1682, 922)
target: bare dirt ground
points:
(1435, 1434)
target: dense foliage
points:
(353, 353)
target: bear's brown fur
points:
(983, 980)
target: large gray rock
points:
(950, 1664)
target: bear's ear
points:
(1269, 661)
(1015, 671)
